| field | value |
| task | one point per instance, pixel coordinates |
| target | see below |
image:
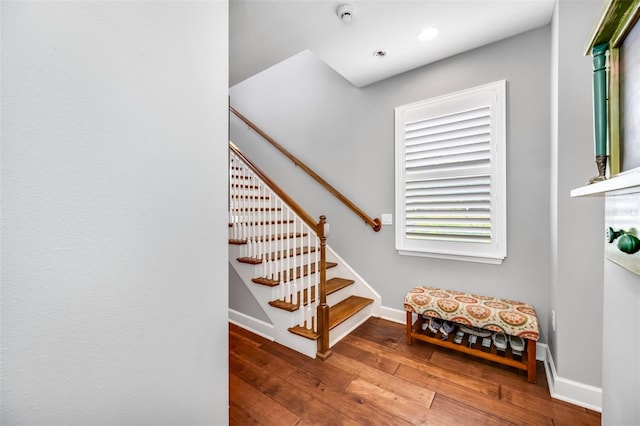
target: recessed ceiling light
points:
(427, 34)
(379, 53)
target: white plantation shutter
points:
(450, 176)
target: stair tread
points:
(277, 255)
(338, 313)
(281, 236)
(271, 237)
(305, 270)
(337, 283)
(265, 281)
(250, 197)
(272, 222)
(287, 276)
(333, 285)
(342, 311)
(256, 209)
(304, 332)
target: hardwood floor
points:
(375, 378)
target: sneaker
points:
(475, 331)
(517, 343)
(472, 340)
(500, 341)
(425, 323)
(446, 328)
(486, 344)
(434, 324)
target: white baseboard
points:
(254, 325)
(570, 391)
(393, 315)
(576, 393)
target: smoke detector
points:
(345, 12)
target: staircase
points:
(280, 253)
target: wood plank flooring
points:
(375, 378)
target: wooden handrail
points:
(308, 219)
(376, 224)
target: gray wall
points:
(241, 299)
(346, 135)
(621, 346)
(577, 225)
(114, 254)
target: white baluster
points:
(270, 236)
(317, 261)
(273, 232)
(286, 228)
(310, 278)
(263, 252)
(239, 202)
(241, 175)
(287, 263)
(256, 233)
(250, 207)
(297, 263)
(232, 193)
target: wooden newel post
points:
(600, 109)
(323, 309)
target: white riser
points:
(274, 245)
(342, 330)
(248, 228)
(250, 217)
(282, 265)
(241, 206)
(339, 295)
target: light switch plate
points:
(387, 219)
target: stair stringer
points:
(360, 287)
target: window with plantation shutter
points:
(450, 176)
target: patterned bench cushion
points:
(500, 315)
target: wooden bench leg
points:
(409, 327)
(531, 361)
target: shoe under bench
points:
(496, 315)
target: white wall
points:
(346, 135)
(577, 224)
(114, 255)
(621, 346)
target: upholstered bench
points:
(508, 317)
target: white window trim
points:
(495, 251)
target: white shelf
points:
(623, 183)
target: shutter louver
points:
(451, 193)
(456, 208)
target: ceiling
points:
(263, 33)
